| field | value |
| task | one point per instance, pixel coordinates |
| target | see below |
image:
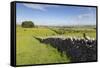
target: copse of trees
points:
(27, 24)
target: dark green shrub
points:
(27, 24)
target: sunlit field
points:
(30, 51)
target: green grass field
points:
(31, 51)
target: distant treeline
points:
(67, 26)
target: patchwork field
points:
(31, 51)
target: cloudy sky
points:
(55, 14)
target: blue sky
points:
(55, 15)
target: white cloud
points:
(35, 6)
(40, 7)
(86, 15)
(89, 13)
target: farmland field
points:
(30, 51)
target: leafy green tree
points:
(27, 24)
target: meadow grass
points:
(30, 51)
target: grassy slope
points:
(78, 32)
(31, 51)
